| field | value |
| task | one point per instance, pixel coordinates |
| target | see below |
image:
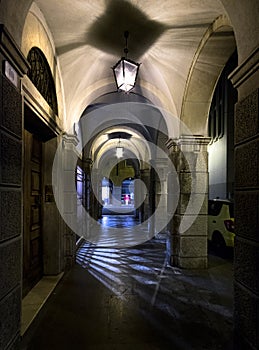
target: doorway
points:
(32, 212)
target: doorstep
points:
(36, 298)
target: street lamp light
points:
(125, 70)
(119, 150)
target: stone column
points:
(160, 188)
(70, 198)
(144, 208)
(87, 201)
(13, 66)
(96, 194)
(187, 241)
(137, 195)
(87, 167)
(246, 251)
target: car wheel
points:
(219, 243)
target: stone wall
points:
(246, 263)
(247, 218)
(10, 189)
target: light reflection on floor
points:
(112, 266)
(164, 294)
(115, 266)
(119, 221)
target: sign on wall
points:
(11, 74)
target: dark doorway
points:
(32, 228)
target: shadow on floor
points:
(130, 299)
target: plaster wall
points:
(217, 163)
(13, 14)
(244, 18)
(36, 34)
(216, 46)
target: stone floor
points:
(129, 298)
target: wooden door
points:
(32, 233)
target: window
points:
(217, 117)
(224, 99)
(41, 76)
(80, 180)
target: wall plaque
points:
(11, 74)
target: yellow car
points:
(221, 226)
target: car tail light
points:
(229, 224)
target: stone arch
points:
(137, 148)
(148, 120)
(216, 47)
(36, 34)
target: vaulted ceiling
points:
(165, 37)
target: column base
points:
(190, 263)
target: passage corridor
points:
(131, 299)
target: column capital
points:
(160, 162)
(69, 140)
(161, 165)
(188, 140)
(188, 143)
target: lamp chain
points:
(126, 35)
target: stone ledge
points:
(36, 298)
(245, 69)
(12, 52)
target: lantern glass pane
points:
(118, 71)
(126, 73)
(130, 74)
(119, 152)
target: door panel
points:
(32, 234)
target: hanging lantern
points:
(119, 150)
(125, 71)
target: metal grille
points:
(40, 74)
